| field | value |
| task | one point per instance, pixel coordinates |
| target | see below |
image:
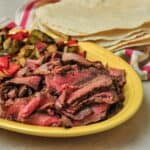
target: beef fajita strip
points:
(31, 81)
(99, 82)
(109, 97)
(72, 57)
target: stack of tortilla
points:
(114, 24)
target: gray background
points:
(133, 135)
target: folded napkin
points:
(136, 59)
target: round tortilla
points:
(110, 43)
(85, 17)
(113, 35)
(146, 43)
(138, 41)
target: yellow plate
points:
(133, 99)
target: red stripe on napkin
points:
(26, 14)
(128, 52)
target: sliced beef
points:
(66, 122)
(118, 75)
(12, 93)
(29, 108)
(99, 113)
(57, 82)
(39, 102)
(8, 91)
(2, 115)
(22, 72)
(71, 78)
(9, 102)
(50, 84)
(61, 100)
(47, 101)
(31, 81)
(85, 76)
(72, 57)
(66, 68)
(43, 69)
(62, 90)
(32, 64)
(43, 120)
(12, 110)
(48, 67)
(24, 91)
(80, 115)
(109, 97)
(99, 82)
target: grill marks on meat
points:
(109, 97)
(101, 81)
(62, 89)
(58, 81)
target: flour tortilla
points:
(110, 35)
(57, 36)
(85, 17)
(109, 43)
(138, 41)
(116, 34)
(106, 40)
(134, 44)
(105, 43)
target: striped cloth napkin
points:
(134, 57)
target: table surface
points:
(133, 135)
